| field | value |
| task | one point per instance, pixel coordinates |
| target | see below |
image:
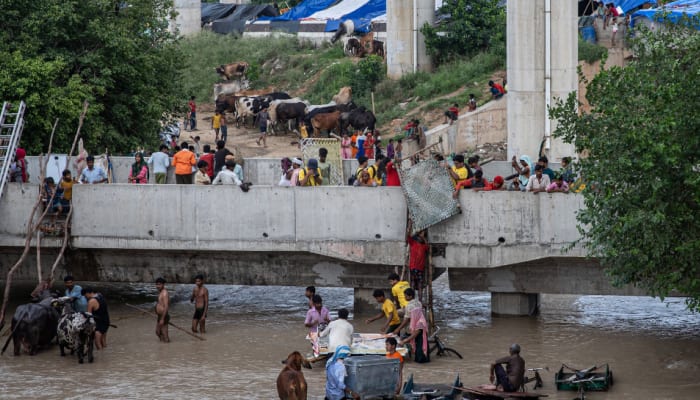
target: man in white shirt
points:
(539, 182)
(160, 161)
(339, 332)
(227, 177)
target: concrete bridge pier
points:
(364, 302)
(514, 304)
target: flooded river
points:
(652, 347)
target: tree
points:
(119, 56)
(642, 216)
(471, 26)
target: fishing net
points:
(428, 189)
(309, 149)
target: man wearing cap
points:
(311, 175)
(335, 376)
(511, 378)
(92, 174)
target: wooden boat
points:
(595, 378)
(485, 394)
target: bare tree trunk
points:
(63, 248)
(31, 226)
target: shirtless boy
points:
(200, 298)
(162, 311)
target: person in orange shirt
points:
(392, 353)
(183, 161)
(353, 143)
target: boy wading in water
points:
(162, 310)
(200, 298)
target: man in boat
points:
(511, 378)
(339, 332)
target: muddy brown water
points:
(653, 347)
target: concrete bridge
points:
(515, 245)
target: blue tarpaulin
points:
(302, 10)
(360, 12)
(361, 17)
(629, 5)
(675, 11)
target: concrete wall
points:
(223, 218)
(526, 53)
(189, 18)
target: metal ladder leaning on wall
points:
(11, 125)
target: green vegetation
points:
(473, 26)
(641, 138)
(590, 52)
(316, 74)
(55, 55)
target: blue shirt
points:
(160, 162)
(335, 381)
(91, 176)
(80, 303)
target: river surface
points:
(652, 347)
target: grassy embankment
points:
(316, 74)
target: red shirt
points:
(209, 158)
(392, 175)
(193, 106)
(417, 251)
(454, 110)
(499, 87)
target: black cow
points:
(291, 112)
(34, 324)
(359, 118)
(76, 331)
(327, 109)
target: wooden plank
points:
(495, 394)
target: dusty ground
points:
(242, 140)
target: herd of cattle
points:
(336, 116)
(34, 325)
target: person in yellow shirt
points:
(183, 161)
(311, 175)
(216, 124)
(459, 172)
(388, 311)
(397, 290)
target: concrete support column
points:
(541, 67)
(364, 301)
(189, 18)
(405, 45)
(515, 304)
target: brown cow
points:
(228, 71)
(344, 95)
(291, 384)
(377, 48)
(325, 122)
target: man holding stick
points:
(162, 311)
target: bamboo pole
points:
(420, 151)
(431, 315)
(169, 323)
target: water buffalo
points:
(287, 110)
(377, 48)
(232, 69)
(76, 331)
(359, 118)
(325, 122)
(34, 324)
(312, 111)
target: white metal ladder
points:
(11, 125)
